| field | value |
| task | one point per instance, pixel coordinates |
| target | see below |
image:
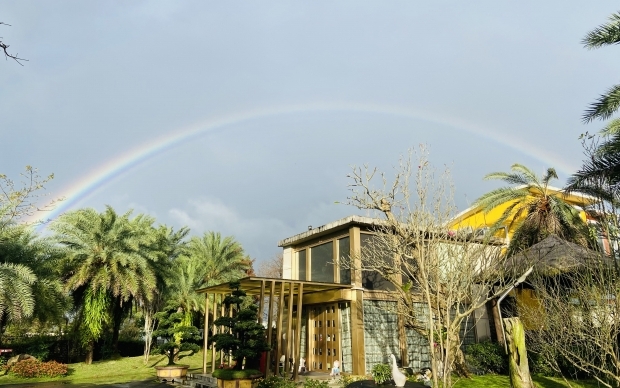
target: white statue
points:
(398, 376)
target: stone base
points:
(237, 383)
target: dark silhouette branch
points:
(5, 48)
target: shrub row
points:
(36, 368)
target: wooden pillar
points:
(357, 305)
(289, 330)
(214, 332)
(297, 349)
(205, 335)
(279, 327)
(272, 290)
(221, 328)
(230, 314)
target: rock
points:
(20, 357)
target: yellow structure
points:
(476, 220)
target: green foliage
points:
(312, 383)
(245, 337)
(381, 373)
(275, 382)
(345, 380)
(231, 374)
(487, 357)
(35, 368)
(170, 328)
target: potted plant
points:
(177, 338)
(244, 340)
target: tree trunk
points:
(517, 355)
(90, 351)
(148, 334)
(116, 328)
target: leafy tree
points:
(109, 265)
(535, 210)
(245, 338)
(171, 327)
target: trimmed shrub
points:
(487, 357)
(35, 368)
(231, 374)
(381, 373)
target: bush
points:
(312, 383)
(381, 373)
(36, 368)
(345, 380)
(275, 382)
(487, 357)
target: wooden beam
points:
(214, 332)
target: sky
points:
(245, 117)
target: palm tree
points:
(607, 34)
(109, 264)
(21, 252)
(535, 210)
(206, 261)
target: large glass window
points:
(344, 260)
(374, 257)
(322, 263)
(301, 261)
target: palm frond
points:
(604, 106)
(605, 34)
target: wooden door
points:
(323, 337)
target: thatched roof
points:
(554, 255)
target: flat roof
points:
(252, 286)
(328, 228)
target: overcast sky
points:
(281, 98)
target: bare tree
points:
(576, 318)
(19, 200)
(445, 273)
(271, 268)
(5, 48)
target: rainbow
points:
(84, 187)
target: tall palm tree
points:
(206, 260)
(535, 210)
(109, 264)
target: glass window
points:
(322, 263)
(301, 260)
(343, 253)
(373, 279)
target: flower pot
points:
(250, 382)
(171, 372)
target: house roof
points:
(553, 256)
(341, 224)
(252, 286)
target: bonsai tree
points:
(177, 337)
(245, 337)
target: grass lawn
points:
(113, 371)
(495, 381)
(133, 369)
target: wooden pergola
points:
(287, 291)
